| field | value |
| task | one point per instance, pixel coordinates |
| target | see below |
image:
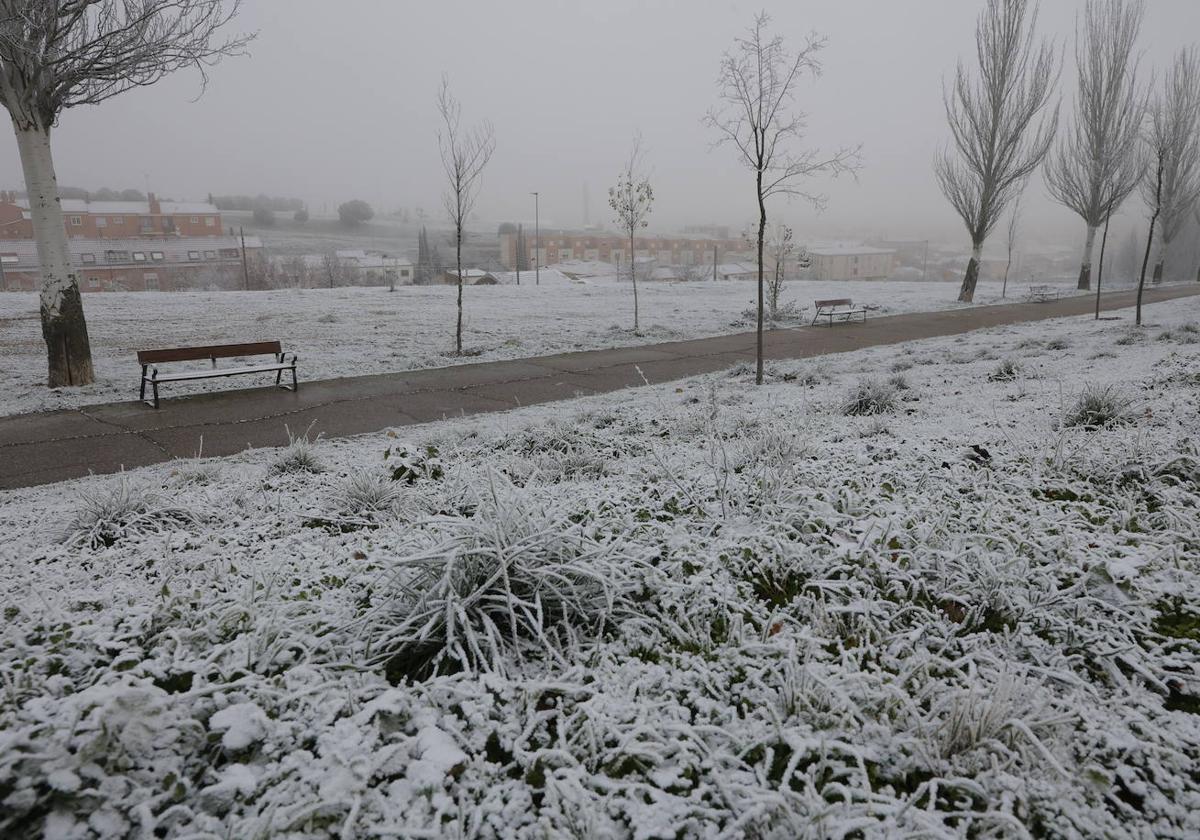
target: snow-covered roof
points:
(130, 208)
(737, 268)
(843, 249)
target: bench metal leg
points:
(154, 384)
(142, 392)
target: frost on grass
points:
(1099, 405)
(120, 509)
(298, 457)
(717, 611)
(871, 396)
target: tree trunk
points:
(1100, 275)
(1145, 262)
(633, 279)
(967, 293)
(1160, 260)
(762, 227)
(1085, 268)
(458, 262)
(68, 351)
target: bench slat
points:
(215, 372)
(213, 351)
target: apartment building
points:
(85, 219)
(558, 246)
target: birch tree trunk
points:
(967, 293)
(1085, 267)
(69, 354)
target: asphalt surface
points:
(45, 447)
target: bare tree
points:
(999, 125)
(783, 250)
(1014, 231)
(1197, 215)
(60, 55)
(631, 200)
(757, 86)
(465, 152)
(1096, 167)
(1172, 185)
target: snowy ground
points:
(344, 332)
(698, 610)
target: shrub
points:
(299, 456)
(300, 215)
(899, 382)
(504, 585)
(109, 514)
(1098, 405)
(366, 493)
(1057, 344)
(264, 216)
(354, 213)
(871, 396)
(1006, 371)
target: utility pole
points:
(925, 270)
(714, 262)
(245, 268)
(537, 245)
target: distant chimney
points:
(155, 207)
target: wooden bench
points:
(1043, 294)
(842, 309)
(150, 359)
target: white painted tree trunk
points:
(1085, 266)
(63, 327)
(967, 293)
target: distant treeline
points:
(257, 202)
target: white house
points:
(737, 271)
(850, 262)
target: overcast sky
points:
(336, 101)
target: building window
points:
(193, 255)
(118, 220)
(195, 220)
(116, 256)
(139, 256)
(210, 255)
(404, 272)
(210, 221)
(101, 221)
(9, 258)
(229, 253)
(77, 221)
(88, 259)
(157, 256)
(94, 282)
(151, 280)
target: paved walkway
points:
(53, 446)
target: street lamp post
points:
(537, 245)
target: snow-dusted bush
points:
(299, 456)
(870, 396)
(368, 493)
(1006, 371)
(1098, 405)
(508, 583)
(118, 510)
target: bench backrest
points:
(828, 304)
(212, 351)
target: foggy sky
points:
(336, 101)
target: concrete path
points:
(53, 446)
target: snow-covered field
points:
(699, 610)
(350, 331)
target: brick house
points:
(561, 246)
(115, 219)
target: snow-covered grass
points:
(698, 610)
(351, 331)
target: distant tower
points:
(585, 204)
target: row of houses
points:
(137, 264)
(85, 219)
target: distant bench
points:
(150, 359)
(1042, 294)
(843, 309)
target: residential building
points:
(137, 264)
(85, 219)
(470, 277)
(559, 246)
(850, 262)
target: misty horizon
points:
(329, 106)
